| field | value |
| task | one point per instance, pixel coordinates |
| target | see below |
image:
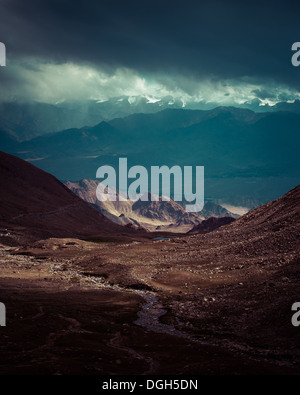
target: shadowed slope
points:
(42, 205)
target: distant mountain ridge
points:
(239, 149)
(25, 120)
(212, 209)
(151, 215)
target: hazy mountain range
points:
(246, 155)
(28, 119)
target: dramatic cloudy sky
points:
(220, 51)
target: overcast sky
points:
(227, 52)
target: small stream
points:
(150, 313)
(165, 237)
(152, 310)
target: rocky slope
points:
(38, 205)
(234, 286)
(151, 215)
(210, 224)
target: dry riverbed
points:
(76, 307)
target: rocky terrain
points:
(194, 100)
(209, 303)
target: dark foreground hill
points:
(270, 228)
(37, 205)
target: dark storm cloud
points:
(227, 39)
(263, 94)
